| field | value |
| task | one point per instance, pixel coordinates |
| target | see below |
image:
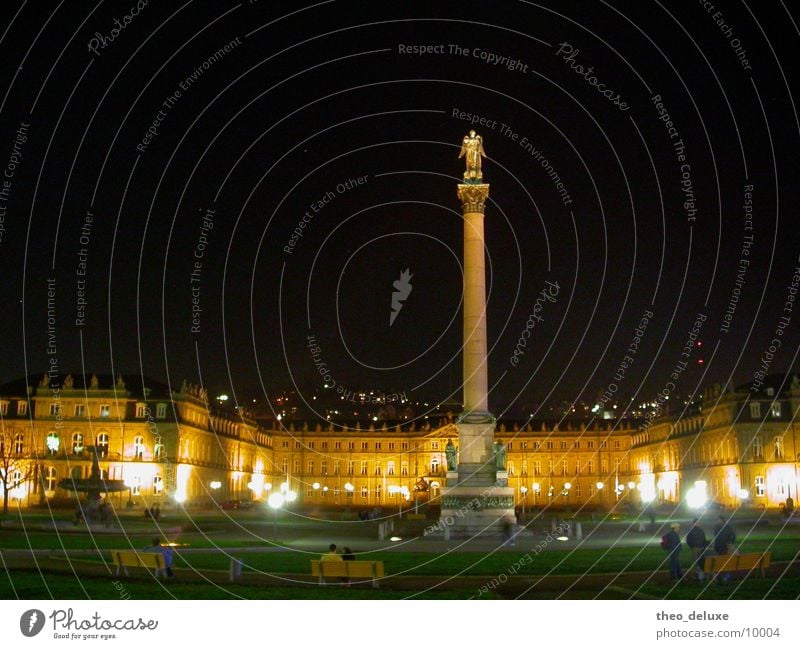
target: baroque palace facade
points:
(740, 449)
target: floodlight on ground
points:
(276, 500)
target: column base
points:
(473, 511)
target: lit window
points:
(323, 467)
(80, 410)
(53, 442)
(778, 447)
(4, 407)
(138, 447)
(564, 469)
(377, 468)
(350, 467)
(310, 467)
(284, 466)
(364, 446)
(19, 444)
(158, 485)
(510, 468)
(363, 467)
(161, 410)
(775, 410)
(590, 444)
(755, 410)
(390, 467)
(434, 446)
(22, 408)
(55, 409)
(285, 444)
(351, 446)
(50, 479)
(297, 444)
(337, 446)
(311, 445)
(324, 446)
(158, 451)
(760, 489)
(435, 465)
(77, 442)
(377, 446)
(758, 447)
(391, 446)
(364, 493)
(564, 445)
(550, 445)
(616, 443)
(102, 444)
(105, 410)
(537, 467)
(378, 493)
(404, 446)
(336, 467)
(404, 468)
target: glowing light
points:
(435, 484)
(291, 496)
(743, 494)
(523, 490)
(567, 485)
(536, 487)
(284, 487)
(280, 417)
(599, 485)
(215, 484)
(268, 486)
(349, 487)
(395, 539)
(325, 489)
(562, 538)
(222, 397)
(631, 484)
(697, 497)
(316, 485)
(276, 500)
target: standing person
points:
(167, 553)
(331, 554)
(696, 540)
(724, 537)
(672, 544)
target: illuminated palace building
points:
(739, 448)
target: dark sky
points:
(305, 101)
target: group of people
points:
(333, 554)
(723, 539)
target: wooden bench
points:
(372, 570)
(733, 562)
(124, 559)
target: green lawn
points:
(29, 585)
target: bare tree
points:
(15, 468)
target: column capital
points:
(473, 197)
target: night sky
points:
(197, 136)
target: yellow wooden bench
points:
(734, 562)
(124, 559)
(372, 570)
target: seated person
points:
(332, 554)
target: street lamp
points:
(536, 489)
(524, 491)
(275, 501)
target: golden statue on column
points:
(472, 148)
